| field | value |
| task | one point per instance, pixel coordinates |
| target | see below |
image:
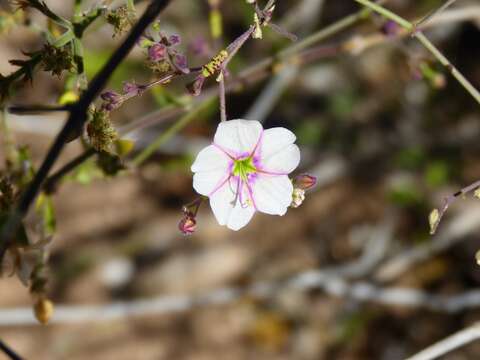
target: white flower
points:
(246, 170)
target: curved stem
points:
(426, 43)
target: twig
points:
(76, 119)
(434, 13)
(316, 279)
(168, 134)
(9, 352)
(467, 222)
(426, 43)
(455, 341)
(221, 90)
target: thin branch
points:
(76, 120)
(36, 109)
(9, 352)
(457, 230)
(331, 284)
(426, 43)
(434, 13)
(221, 90)
(455, 341)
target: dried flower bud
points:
(121, 19)
(43, 310)
(195, 88)
(434, 220)
(257, 33)
(57, 59)
(100, 130)
(187, 225)
(157, 52)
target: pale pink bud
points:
(305, 181)
(187, 225)
(157, 52)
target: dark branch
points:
(76, 120)
(9, 352)
(36, 109)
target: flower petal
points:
(277, 151)
(282, 162)
(229, 212)
(207, 182)
(238, 137)
(211, 167)
(272, 194)
(211, 159)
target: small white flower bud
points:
(298, 197)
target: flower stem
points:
(426, 43)
(221, 89)
(170, 132)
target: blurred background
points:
(351, 274)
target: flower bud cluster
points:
(162, 53)
(301, 184)
(121, 18)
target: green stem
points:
(171, 131)
(64, 39)
(325, 33)
(426, 43)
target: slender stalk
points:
(76, 119)
(426, 43)
(435, 12)
(455, 341)
(50, 184)
(170, 132)
(223, 103)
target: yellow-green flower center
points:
(243, 168)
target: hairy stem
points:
(170, 132)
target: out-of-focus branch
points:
(326, 281)
(466, 222)
(9, 352)
(455, 341)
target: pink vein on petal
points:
(250, 192)
(225, 151)
(266, 172)
(220, 185)
(259, 141)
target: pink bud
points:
(157, 52)
(174, 39)
(187, 225)
(305, 181)
(130, 88)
